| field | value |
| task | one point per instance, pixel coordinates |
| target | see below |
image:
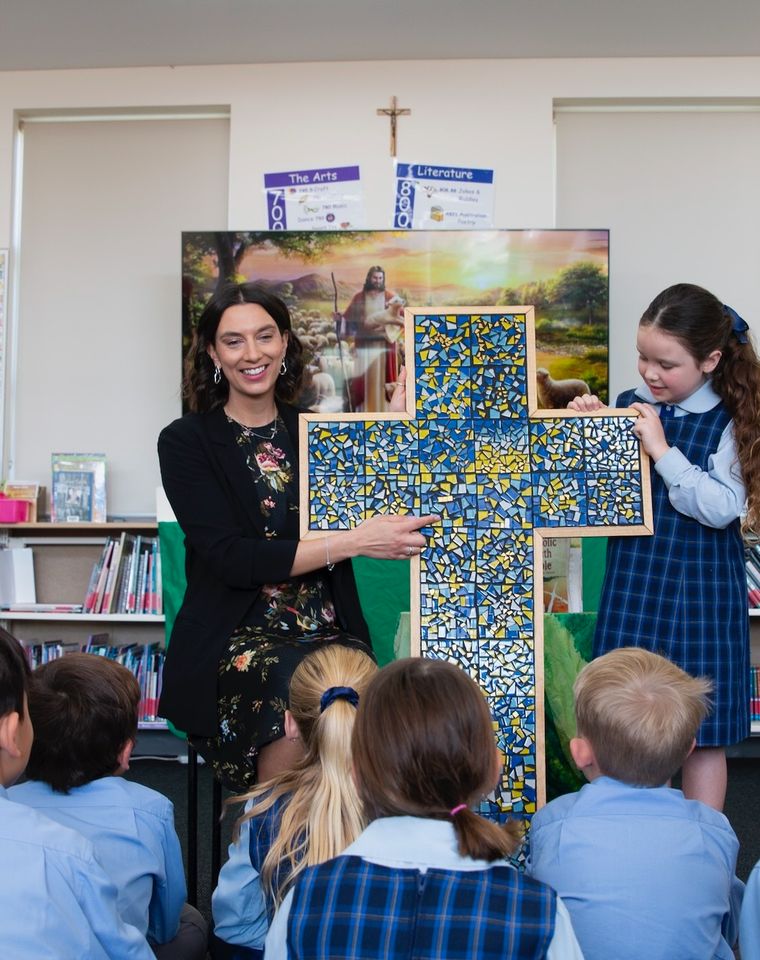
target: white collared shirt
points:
(716, 496)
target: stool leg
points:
(216, 832)
(192, 825)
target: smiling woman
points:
(257, 599)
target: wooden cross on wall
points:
(394, 111)
(474, 449)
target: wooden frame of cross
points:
(474, 448)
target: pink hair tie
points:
(458, 809)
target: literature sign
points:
(79, 488)
(435, 197)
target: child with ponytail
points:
(302, 816)
(428, 877)
(683, 591)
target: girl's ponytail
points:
(736, 380)
(483, 839)
(322, 813)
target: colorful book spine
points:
(133, 573)
(755, 693)
(145, 661)
(100, 590)
(752, 566)
(113, 572)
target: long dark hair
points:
(703, 324)
(198, 387)
(435, 752)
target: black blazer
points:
(227, 560)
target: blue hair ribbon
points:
(739, 327)
(338, 693)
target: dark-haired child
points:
(55, 899)
(683, 591)
(84, 709)
(428, 877)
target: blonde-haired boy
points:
(644, 872)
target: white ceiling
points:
(50, 34)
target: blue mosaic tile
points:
(498, 339)
(614, 499)
(557, 445)
(498, 392)
(559, 499)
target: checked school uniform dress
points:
(242, 908)
(402, 890)
(682, 592)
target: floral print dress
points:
(286, 622)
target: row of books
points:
(144, 660)
(753, 575)
(754, 703)
(126, 578)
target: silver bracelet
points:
(327, 553)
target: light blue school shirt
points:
(56, 902)
(132, 830)
(716, 496)
(643, 872)
(238, 904)
(749, 921)
(420, 844)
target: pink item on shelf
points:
(13, 511)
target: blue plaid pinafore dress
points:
(351, 909)
(682, 592)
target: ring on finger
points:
(410, 551)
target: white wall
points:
(496, 113)
(486, 113)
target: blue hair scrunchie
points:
(739, 327)
(338, 693)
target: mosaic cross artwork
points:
(474, 449)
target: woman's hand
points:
(398, 397)
(387, 537)
(648, 428)
(391, 537)
(587, 403)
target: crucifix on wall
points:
(393, 113)
(474, 449)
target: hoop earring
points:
(283, 368)
(217, 375)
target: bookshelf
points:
(754, 654)
(63, 556)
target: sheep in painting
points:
(556, 394)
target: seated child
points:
(303, 816)
(428, 871)
(749, 920)
(84, 711)
(55, 899)
(643, 871)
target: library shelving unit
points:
(754, 639)
(64, 554)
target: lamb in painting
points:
(556, 394)
(393, 315)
